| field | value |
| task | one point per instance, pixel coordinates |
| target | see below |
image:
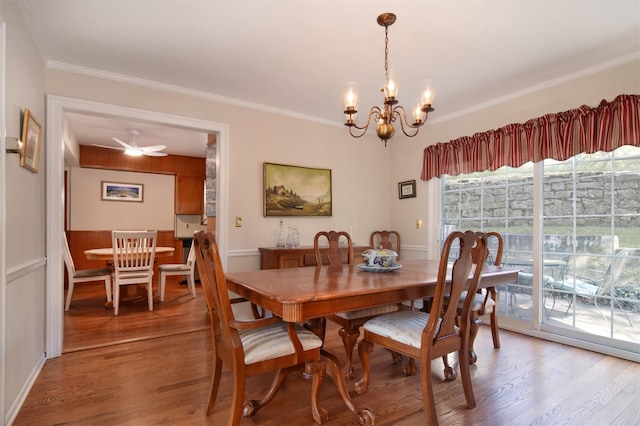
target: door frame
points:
(58, 143)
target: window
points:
(581, 278)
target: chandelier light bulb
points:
(351, 96)
(428, 92)
(391, 85)
(417, 114)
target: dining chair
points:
(179, 269)
(350, 322)
(83, 275)
(133, 257)
(252, 347)
(485, 300)
(425, 336)
(386, 240)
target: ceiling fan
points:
(133, 149)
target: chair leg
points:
(450, 373)
(410, 367)
(396, 357)
(107, 289)
(349, 339)
(238, 396)
(192, 285)
(150, 295)
(192, 276)
(427, 393)
(494, 328)
(364, 348)
(473, 332)
(161, 286)
(116, 297)
(465, 374)
(215, 385)
(69, 295)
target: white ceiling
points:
(296, 55)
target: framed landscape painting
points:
(296, 191)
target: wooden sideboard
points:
(289, 257)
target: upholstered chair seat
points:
(273, 341)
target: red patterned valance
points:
(559, 136)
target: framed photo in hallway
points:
(116, 191)
(31, 140)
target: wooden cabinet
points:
(189, 194)
(285, 257)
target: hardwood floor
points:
(165, 379)
(88, 324)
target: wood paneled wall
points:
(103, 158)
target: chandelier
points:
(386, 115)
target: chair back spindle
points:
(386, 239)
(335, 253)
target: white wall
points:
(88, 212)
(23, 306)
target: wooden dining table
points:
(106, 254)
(304, 294)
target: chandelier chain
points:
(386, 51)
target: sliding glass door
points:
(591, 226)
(573, 230)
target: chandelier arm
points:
(401, 114)
(373, 112)
(355, 135)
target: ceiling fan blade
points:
(154, 154)
(110, 147)
(153, 148)
(126, 145)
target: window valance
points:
(559, 136)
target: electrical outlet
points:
(238, 222)
(418, 224)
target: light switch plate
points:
(238, 222)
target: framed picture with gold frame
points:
(31, 141)
(296, 191)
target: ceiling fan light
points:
(133, 152)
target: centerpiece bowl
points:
(381, 258)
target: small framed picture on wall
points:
(31, 140)
(407, 189)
